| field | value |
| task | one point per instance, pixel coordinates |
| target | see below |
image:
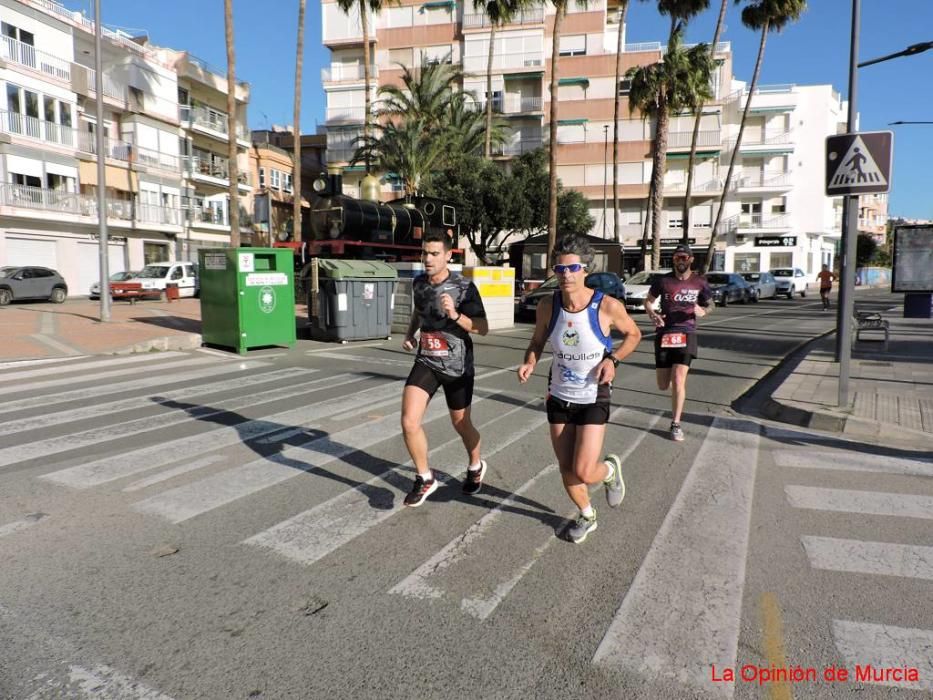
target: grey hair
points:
(572, 244)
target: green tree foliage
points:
(865, 250)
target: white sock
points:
(587, 512)
(475, 467)
(611, 471)
(428, 476)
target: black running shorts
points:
(560, 412)
(665, 358)
(457, 390)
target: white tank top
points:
(578, 345)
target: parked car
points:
(790, 281)
(762, 283)
(156, 276)
(728, 287)
(607, 282)
(637, 286)
(31, 283)
(115, 277)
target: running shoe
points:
(677, 433)
(474, 479)
(581, 527)
(615, 486)
(419, 491)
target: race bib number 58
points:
(434, 345)
(674, 340)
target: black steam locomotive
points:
(345, 227)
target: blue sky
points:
(814, 50)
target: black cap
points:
(683, 248)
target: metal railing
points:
(111, 88)
(339, 72)
(77, 204)
(763, 221)
(35, 128)
(759, 179)
(128, 152)
(713, 185)
(473, 20)
(207, 166)
(766, 139)
(504, 61)
(643, 46)
(208, 118)
(31, 57)
(517, 148)
(513, 105)
(340, 155)
(683, 139)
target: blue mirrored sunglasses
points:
(572, 267)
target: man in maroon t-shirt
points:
(685, 296)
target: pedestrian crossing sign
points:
(859, 163)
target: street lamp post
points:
(605, 172)
(101, 172)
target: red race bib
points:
(674, 340)
(434, 345)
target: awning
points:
(701, 155)
(354, 169)
(763, 108)
(436, 4)
(745, 151)
(585, 82)
(117, 178)
(571, 122)
(521, 76)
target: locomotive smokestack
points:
(336, 181)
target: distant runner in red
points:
(685, 296)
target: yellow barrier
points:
(495, 289)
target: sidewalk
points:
(891, 391)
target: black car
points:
(608, 282)
(729, 286)
(31, 283)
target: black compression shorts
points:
(664, 358)
(561, 412)
(457, 390)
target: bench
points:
(871, 322)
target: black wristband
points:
(459, 314)
(613, 359)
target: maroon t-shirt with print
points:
(678, 298)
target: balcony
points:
(75, 204)
(340, 155)
(22, 54)
(677, 140)
(762, 221)
(533, 60)
(782, 140)
(763, 181)
(212, 169)
(128, 152)
(679, 187)
(517, 148)
(472, 20)
(343, 73)
(513, 104)
(198, 116)
(38, 129)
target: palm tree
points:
(426, 93)
(470, 131)
(720, 21)
(296, 177)
(408, 148)
(560, 10)
(677, 83)
(499, 12)
(764, 15)
(233, 174)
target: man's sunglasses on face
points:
(681, 257)
(572, 267)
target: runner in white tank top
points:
(576, 322)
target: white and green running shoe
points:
(615, 486)
(581, 527)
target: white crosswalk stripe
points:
(19, 525)
(107, 469)
(110, 363)
(697, 562)
(98, 683)
(880, 558)
(876, 646)
(315, 533)
(53, 418)
(115, 431)
(851, 461)
(866, 502)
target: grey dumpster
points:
(355, 299)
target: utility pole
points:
(101, 172)
(605, 171)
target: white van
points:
(158, 275)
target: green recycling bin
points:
(355, 300)
(247, 297)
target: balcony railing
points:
(340, 155)
(643, 46)
(683, 139)
(112, 89)
(513, 105)
(517, 148)
(29, 56)
(766, 139)
(472, 20)
(505, 61)
(714, 185)
(763, 221)
(208, 118)
(759, 179)
(128, 152)
(340, 72)
(34, 128)
(77, 204)
(208, 166)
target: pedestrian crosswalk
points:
(189, 442)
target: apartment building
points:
(774, 214)
(873, 216)
(48, 146)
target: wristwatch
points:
(615, 360)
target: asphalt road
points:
(198, 525)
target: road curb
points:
(183, 341)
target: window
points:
(262, 177)
(779, 207)
(571, 133)
(288, 182)
(154, 252)
(276, 179)
(625, 87)
(781, 260)
(573, 45)
(747, 262)
(26, 180)
(403, 56)
(437, 54)
(398, 17)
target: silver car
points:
(31, 283)
(762, 283)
